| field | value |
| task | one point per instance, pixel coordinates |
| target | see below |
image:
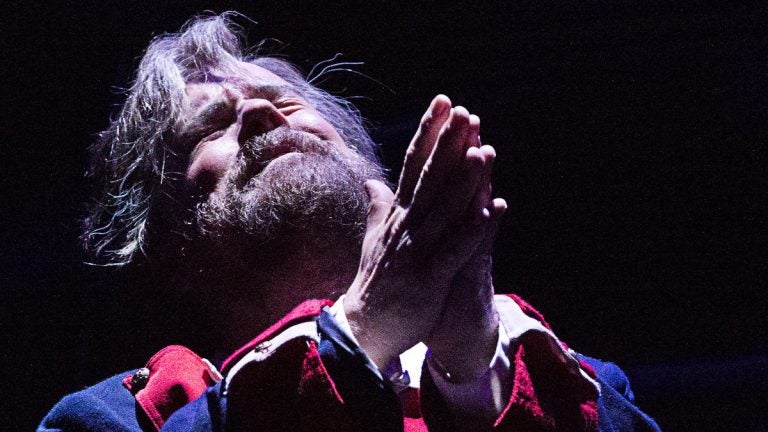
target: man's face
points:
(225, 112)
(277, 184)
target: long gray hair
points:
(130, 161)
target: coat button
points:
(139, 380)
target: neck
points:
(232, 310)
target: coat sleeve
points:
(617, 409)
(107, 406)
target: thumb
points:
(381, 199)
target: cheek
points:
(311, 121)
(208, 166)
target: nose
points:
(256, 117)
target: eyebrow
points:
(267, 91)
(213, 110)
(221, 107)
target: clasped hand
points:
(425, 270)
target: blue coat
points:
(292, 390)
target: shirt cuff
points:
(337, 312)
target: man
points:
(246, 190)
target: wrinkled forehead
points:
(246, 79)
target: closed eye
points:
(209, 123)
(287, 105)
(214, 135)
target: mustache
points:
(258, 151)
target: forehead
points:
(246, 81)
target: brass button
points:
(139, 380)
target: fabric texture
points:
(106, 406)
(307, 385)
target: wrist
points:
(465, 357)
(376, 346)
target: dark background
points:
(632, 151)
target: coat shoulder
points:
(106, 406)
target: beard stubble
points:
(291, 204)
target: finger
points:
(495, 211)
(482, 197)
(471, 240)
(381, 199)
(474, 131)
(439, 220)
(497, 208)
(462, 188)
(475, 208)
(443, 163)
(453, 253)
(421, 146)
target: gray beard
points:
(308, 205)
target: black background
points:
(632, 151)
